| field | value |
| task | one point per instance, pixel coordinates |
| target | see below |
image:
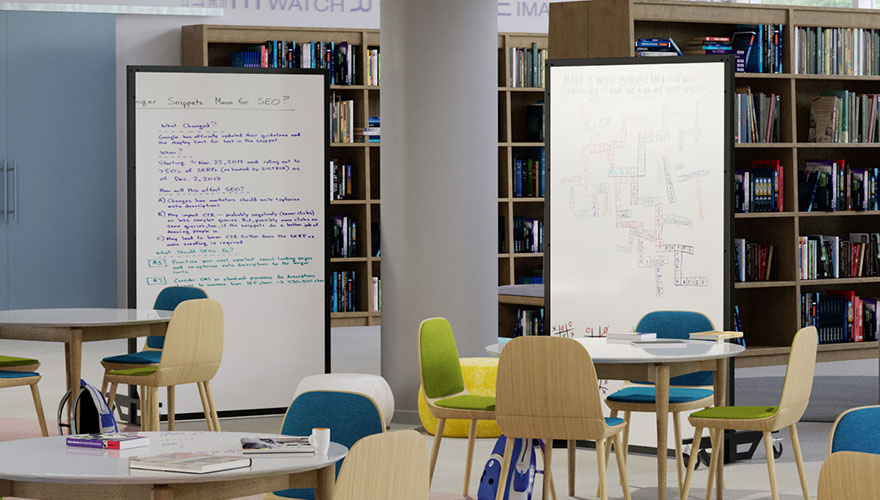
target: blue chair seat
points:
(647, 395)
(136, 358)
(8, 374)
(612, 421)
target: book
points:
(717, 336)
(109, 441)
(192, 463)
(630, 336)
(287, 444)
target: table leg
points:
(162, 492)
(720, 378)
(662, 397)
(326, 483)
(73, 362)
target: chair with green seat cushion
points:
(349, 416)
(445, 392)
(167, 300)
(15, 364)
(766, 419)
(10, 378)
(686, 392)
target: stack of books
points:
(343, 240)
(832, 185)
(765, 55)
(840, 316)
(709, 45)
(341, 118)
(754, 262)
(646, 47)
(373, 66)
(370, 133)
(528, 175)
(529, 321)
(339, 58)
(343, 290)
(756, 116)
(843, 116)
(528, 235)
(829, 256)
(837, 51)
(340, 180)
(527, 66)
(108, 441)
(377, 294)
(759, 189)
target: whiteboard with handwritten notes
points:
(638, 207)
(228, 192)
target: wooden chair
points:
(856, 429)
(547, 388)
(15, 364)
(849, 475)
(350, 416)
(686, 392)
(192, 353)
(167, 300)
(767, 419)
(10, 378)
(445, 392)
(390, 465)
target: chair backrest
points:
(798, 377)
(193, 343)
(856, 429)
(849, 475)
(385, 466)
(349, 416)
(167, 300)
(679, 325)
(547, 387)
(439, 367)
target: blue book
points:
(517, 175)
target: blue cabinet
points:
(58, 142)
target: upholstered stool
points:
(373, 386)
(479, 378)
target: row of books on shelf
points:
(341, 118)
(759, 189)
(837, 51)
(756, 116)
(754, 262)
(340, 180)
(844, 116)
(343, 240)
(829, 256)
(343, 289)
(377, 294)
(832, 185)
(756, 48)
(529, 321)
(840, 316)
(340, 59)
(370, 133)
(536, 278)
(528, 235)
(527, 66)
(528, 177)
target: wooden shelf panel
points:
(744, 285)
(839, 281)
(765, 356)
(842, 213)
(765, 215)
(764, 145)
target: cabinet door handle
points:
(5, 190)
(14, 191)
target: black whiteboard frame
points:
(728, 218)
(131, 74)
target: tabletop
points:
(604, 351)
(51, 460)
(81, 317)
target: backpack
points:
(95, 416)
(520, 478)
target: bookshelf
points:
(770, 310)
(212, 45)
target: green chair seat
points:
(737, 412)
(468, 402)
(10, 361)
(141, 371)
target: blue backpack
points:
(520, 478)
(95, 416)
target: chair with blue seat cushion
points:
(686, 392)
(444, 389)
(167, 300)
(547, 388)
(856, 429)
(10, 378)
(349, 416)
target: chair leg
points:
(796, 448)
(505, 461)
(600, 458)
(771, 465)
(679, 458)
(713, 463)
(438, 435)
(469, 460)
(154, 410)
(209, 420)
(548, 468)
(170, 407)
(213, 406)
(692, 463)
(621, 468)
(111, 397)
(38, 405)
(104, 384)
(625, 443)
(146, 420)
(571, 444)
(608, 443)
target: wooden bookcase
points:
(211, 45)
(770, 310)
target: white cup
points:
(320, 439)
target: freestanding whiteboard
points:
(228, 192)
(639, 212)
